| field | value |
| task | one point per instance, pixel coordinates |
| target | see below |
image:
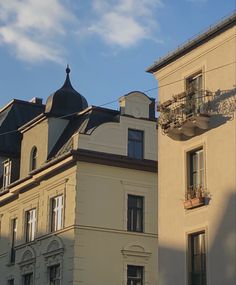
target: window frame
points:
(135, 213)
(56, 221)
(13, 238)
(135, 280)
(132, 144)
(196, 173)
(11, 281)
(33, 158)
(194, 97)
(7, 171)
(58, 265)
(192, 256)
(29, 274)
(30, 224)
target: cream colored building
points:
(78, 196)
(197, 159)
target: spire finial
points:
(67, 69)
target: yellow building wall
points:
(217, 60)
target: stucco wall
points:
(216, 59)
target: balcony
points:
(185, 113)
(196, 196)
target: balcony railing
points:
(184, 112)
(191, 110)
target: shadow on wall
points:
(221, 252)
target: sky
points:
(108, 44)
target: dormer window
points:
(6, 173)
(33, 160)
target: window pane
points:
(134, 275)
(197, 259)
(135, 213)
(135, 144)
(57, 213)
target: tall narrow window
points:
(30, 225)
(135, 213)
(54, 275)
(197, 259)
(13, 239)
(196, 173)
(33, 158)
(194, 89)
(56, 213)
(6, 173)
(135, 144)
(135, 275)
(28, 279)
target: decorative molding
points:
(136, 250)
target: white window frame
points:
(31, 221)
(200, 170)
(57, 207)
(7, 165)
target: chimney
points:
(36, 100)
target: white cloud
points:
(30, 28)
(124, 22)
(35, 30)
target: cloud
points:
(31, 27)
(36, 30)
(124, 22)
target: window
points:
(10, 282)
(196, 173)
(30, 225)
(135, 213)
(6, 173)
(195, 94)
(56, 213)
(197, 259)
(54, 275)
(33, 158)
(28, 279)
(135, 275)
(135, 144)
(13, 239)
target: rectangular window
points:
(6, 173)
(30, 225)
(28, 279)
(135, 144)
(195, 173)
(135, 213)
(135, 275)
(10, 282)
(54, 275)
(56, 213)
(13, 239)
(195, 94)
(197, 259)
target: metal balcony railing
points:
(189, 104)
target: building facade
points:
(78, 191)
(197, 159)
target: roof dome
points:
(65, 100)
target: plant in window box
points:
(195, 197)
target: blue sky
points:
(107, 43)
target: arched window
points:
(33, 158)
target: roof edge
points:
(196, 41)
